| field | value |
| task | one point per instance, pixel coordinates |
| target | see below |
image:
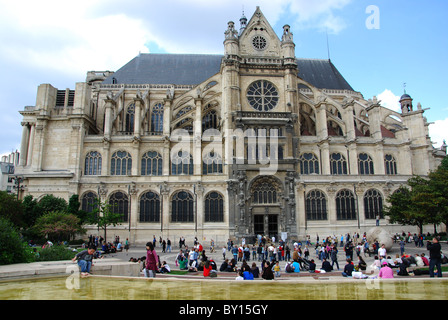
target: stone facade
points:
(252, 142)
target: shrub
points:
(55, 253)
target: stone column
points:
(348, 104)
(105, 158)
(197, 149)
(199, 193)
(167, 117)
(352, 159)
(31, 145)
(378, 159)
(331, 204)
(325, 157)
(166, 134)
(359, 190)
(24, 144)
(301, 223)
(39, 150)
(137, 120)
(133, 212)
(165, 214)
(321, 121)
(108, 119)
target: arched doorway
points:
(266, 206)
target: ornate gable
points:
(258, 38)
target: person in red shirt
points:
(207, 268)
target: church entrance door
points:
(266, 224)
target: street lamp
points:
(17, 181)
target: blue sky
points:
(57, 42)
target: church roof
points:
(192, 69)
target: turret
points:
(231, 43)
(406, 103)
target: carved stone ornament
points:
(231, 33)
(132, 189)
(164, 188)
(102, 190)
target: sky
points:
(381, 47)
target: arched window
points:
(365, 164)
(129, 120)
(121, 164)
(214, 207)
(89, 201)
(120, 204)
(345, 205)
(182, 163)
(210, 120)
(264, 191)
(338, 164)
(149, 207)
(308, 163)
(373, 204)
(93, 164)
(212, 163)
(390, 164)
(316, 205)
(182, 207)
(151, 164)
(157, 119)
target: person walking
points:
(402, 244)
(152, 261)
(435, 258)
(334, 256)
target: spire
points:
(243, 22)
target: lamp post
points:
(17, 181)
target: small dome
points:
(405, 96)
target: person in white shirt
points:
(382, 251)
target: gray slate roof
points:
(192, 69)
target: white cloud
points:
(98, 34)
(319, 14)
(57, 42)
(438, 132)
(389, 100)
(64, 37)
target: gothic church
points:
(254, 141)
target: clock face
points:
(259, 42)
(262, 95)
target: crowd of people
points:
(262, 259)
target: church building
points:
(252, 141)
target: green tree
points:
(50, 203)
(418, 205)
(73, 207)
(30, 210)
(399, 210)
(104, 216)
(13, 249)
(58, 226)
(11, 209)
(425, 202)
(438, 181)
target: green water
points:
(105, 288)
